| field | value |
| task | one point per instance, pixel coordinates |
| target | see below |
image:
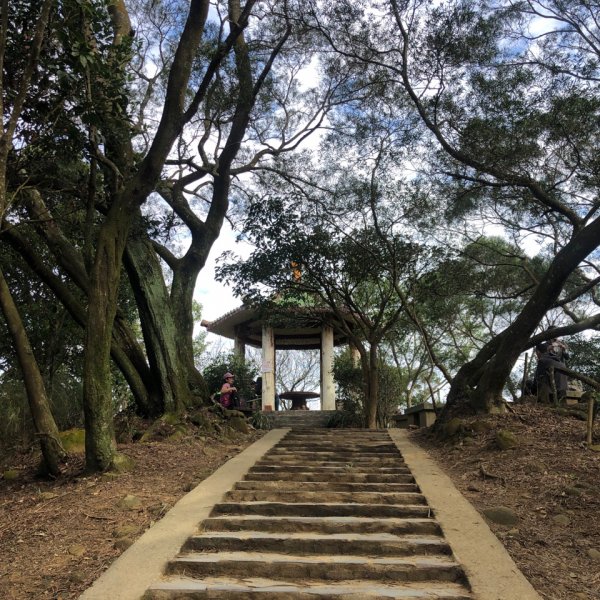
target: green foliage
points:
(584, 354)
(73, 440)
(392, 382)
(511, 140)
(199, 341)
(16, 426)
(351, 392)
(261, 420)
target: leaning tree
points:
(138, 100)
(508, 95)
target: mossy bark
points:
(45, 427)
(162, 337)
(371, 377)
(100, 444)
(125, 349)
(130, 184)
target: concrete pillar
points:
(355, 354)
(268, 367)
(239, 348)
(327, 384)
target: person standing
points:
(228, 391)
(550, 355)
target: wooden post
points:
(525, 374)
(590, 419)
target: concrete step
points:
(251, 588)
(325, 467)
(299, 452)
(340, 434)
(307, 509)
(321, 476)
(330, 466)
(318, 567)
(326, 485)
(302, 413)
(301, 419)
(335, 460)
(358, 544)
(323, 438)
(324, 496)
(323, 525)
(325, 514)
(320, 437)
(295, 438)
(296, 425)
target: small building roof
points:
(294, 328)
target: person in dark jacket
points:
(550, 355)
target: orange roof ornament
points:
(296, 271)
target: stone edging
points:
(143, 563)
(492, 573)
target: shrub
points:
(351, 392)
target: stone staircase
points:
(301, 419)
(326, 514)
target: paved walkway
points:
(331, 514)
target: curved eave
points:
(245, 324)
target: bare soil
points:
(57, 537)
(551, 480)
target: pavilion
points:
(289, 328)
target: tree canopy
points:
(430, 168)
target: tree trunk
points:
(480, 382)
(372, 396)
(131, 183)
(162, 336)
(100, 444)
(125, 350)
(45, 427)
(182, 297)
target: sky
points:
(217, 298)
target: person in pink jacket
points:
(228, 391)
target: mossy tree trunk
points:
(43, 421)
(100, 445)
(129, 186)
(373, 389)
(478, 385)
(125, 349)
(162, 336)
(370, 375)
(163, 314)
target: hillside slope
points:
(550, 481)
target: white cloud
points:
(217, 298)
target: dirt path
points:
(57, 538)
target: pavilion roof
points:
(294, 328)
